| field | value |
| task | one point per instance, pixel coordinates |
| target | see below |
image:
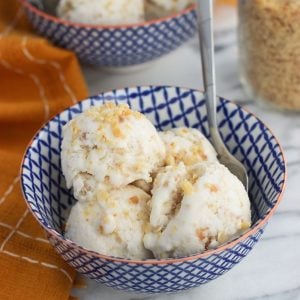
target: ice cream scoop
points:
(105, 12)
(111, 223)
(109, 146)
(187, 145)
(194, 209)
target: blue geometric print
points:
(245, 136)
(121, 46)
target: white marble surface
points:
(272, 269)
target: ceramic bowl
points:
(246, 137)
(115, 46)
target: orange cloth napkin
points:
(37, 81)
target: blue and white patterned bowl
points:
(246, 137)
(115, 46)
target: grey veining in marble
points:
(272, 269)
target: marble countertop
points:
(272, 269)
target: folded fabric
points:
(37, 80)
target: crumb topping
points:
(134, 200)
(187, 187)
(212, 187)
(103, 194)
(245, 225)
(222, 237)
(114, 115)
(201, 234)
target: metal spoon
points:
(205, 25)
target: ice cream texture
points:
(109, 145)
(106, 12)
(143, 194)
(187, 145)
(111, 223)
(202, 207)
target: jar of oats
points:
(269, 40)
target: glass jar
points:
(269, 42)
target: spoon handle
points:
(205, 24)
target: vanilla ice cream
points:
(143, 194)
(188, 145)
(109, 146)
(112, 223)
(105, 12)
(205, 206)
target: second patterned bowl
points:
(115, 46)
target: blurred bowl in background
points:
(115, 45)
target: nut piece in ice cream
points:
(166, 194)
(187, 145)
(112, 223)
(111, 146)
(211, 207)
(104, 12)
